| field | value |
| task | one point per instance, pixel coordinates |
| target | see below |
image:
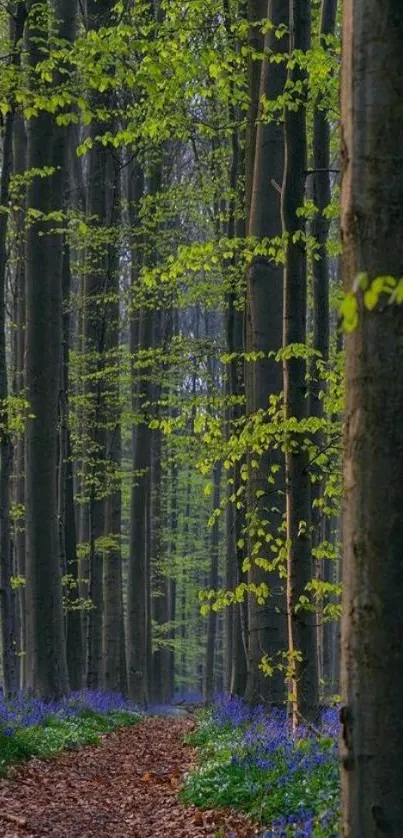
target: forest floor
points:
(127, 787)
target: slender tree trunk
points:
(19, 167)
(47, 674)
(140, 339)
(101, 205)
(267, 623)
(372, 625)
(67, 521)
(7, 595)
(209, 669)
(112, 560)
(321, 323)
(301, 623)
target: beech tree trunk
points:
(19, 166)
(67, 521)
(101, 205)
(7, 595)
(212, 620)
(301, 623)
(372, 624)
(321, 179)
(267, 623)
(47, 674)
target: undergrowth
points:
(29, 727)
(252, 762)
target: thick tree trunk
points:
(47, 674)
(372, 625)
(301, 623)
(267, 623)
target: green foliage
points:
(297, 776)
(59, 734)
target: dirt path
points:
(125, 788)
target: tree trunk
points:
(372, 624)
(47, 674)
(112, 559)
(140, 338)
(7, 595)
(209, 669)
(19, 167)
(267, 623)
(321, 327)
(101, 206)
(301, 623)
(67, 521)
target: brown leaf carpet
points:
(127, 787)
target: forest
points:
(201, 392)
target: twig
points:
(309, 725)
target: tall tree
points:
(301, 622)
(267, 624)
(321, 181)
(17, 13)
(47, 145)
(372, 623)
(101, 198)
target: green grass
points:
(59, 734)
(290, 787)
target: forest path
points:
(124, 788)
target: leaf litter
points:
(127, 787)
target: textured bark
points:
(47, 674)
(7, 596)
(301, 623)
(267, 624)
(372, 624)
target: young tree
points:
(372, 623)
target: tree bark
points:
(267, 623)
(67, 521)
(372, 624)
(321, 330)
(209, 669)
(301, 623)
(7, 595)
(19, 167)
(47, 674)
(101, 205)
